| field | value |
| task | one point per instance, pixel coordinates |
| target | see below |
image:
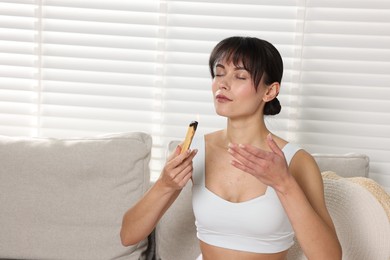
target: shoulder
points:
(303, 164)
(279, 141)
(307, 174)
(213, 136)
(213, 139)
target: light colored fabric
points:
(259, 225)
(346, 165)
(176, 232)
(359, 208)
(65, 198)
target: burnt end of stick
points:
(194, 124)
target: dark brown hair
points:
(259, 57)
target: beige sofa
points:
(65, 198)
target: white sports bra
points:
(259, 225)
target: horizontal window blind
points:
(344, 103)
(99, 65)
(18, 67)
(77, 68)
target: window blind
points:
(18, 67)
(344, 103)
(76, 68)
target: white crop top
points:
(259, 225)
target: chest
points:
(228, 182)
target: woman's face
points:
(235, 96)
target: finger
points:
(274, 147)
(250, 152)
(259, 153)
(188, 159)
(244, 160)
(239, 154)
(175, 153)
(179, 158)
(178, 149)
(184, 174)
(243, 167)
(177, 170)
(185, 179)
(190, 154)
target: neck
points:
(250, 132)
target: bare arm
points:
(302, 196)
(300, 190)
(140, 220)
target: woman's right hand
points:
(142, 218)
(178, 169)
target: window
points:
(75, 68)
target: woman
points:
(257, 189)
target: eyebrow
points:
(223, 67)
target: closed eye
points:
(241, 76)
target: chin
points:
(221, 113)
(226, 115)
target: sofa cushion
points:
(176, 232)
(65, 198)
(345, 165)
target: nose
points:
(224, 83)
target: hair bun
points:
(272, 107)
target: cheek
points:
(251, 97)
(214, 86)
(247, 91)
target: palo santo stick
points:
(190, 134)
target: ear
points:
(272, 92)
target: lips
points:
(222, 98)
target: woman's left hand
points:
(268, 167)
